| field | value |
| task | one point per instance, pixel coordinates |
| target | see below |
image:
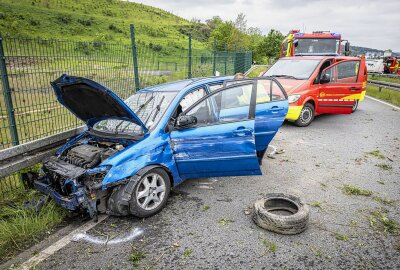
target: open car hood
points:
(92, 102)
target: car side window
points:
(228, 105)
(191, 98)
(344, 72)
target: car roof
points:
(183, 85)
(320, 57)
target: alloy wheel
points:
(151, 191)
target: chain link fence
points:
(29, 109)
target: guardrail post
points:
(190, 57)
(226, 57)
(7, 96)
(135, 61)
(215, 57)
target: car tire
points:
(355, 106)
(280, 213)
(307, 115)
(154, 186)
(115, 207)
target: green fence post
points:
(135, 61)
(190, 57)
(215, 57)
(226, 58)
(7, 96)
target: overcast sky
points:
(367, 23)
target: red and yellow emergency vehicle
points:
(315, 43)
(320, 84)
(391, 65)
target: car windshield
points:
(299, 69)
(322, 45)
(148, 106)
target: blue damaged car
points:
(134, 151)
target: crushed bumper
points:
(294, 112)
(72, 202)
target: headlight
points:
(293, 98)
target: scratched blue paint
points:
(223, 149)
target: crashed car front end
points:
(73, 177)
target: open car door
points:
(341, 84)
(219, 138)
(271, 109)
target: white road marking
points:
(47, 252)
(133, 234)
(383, 102)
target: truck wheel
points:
(150, 193)
(280, 213)
(355, 106)
(306, 115)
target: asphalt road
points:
(317, 162)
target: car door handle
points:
(354, 88)
(242, 131)
(276, 109)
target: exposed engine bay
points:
(68, 173)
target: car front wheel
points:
(150, 193)
(306, 115)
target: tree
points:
(241, 22)
(271, 44)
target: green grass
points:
(269, 246)
(380, 221)
(341, 237)
(384, 200)
(377, 154)
(387, 95)
(225, 221)
(94, 20)
(187, 253)
(256, 72)
(316, 204)
(205, 208)
(21, 227)
(136, 256)
(384, 166)
(384, 79)
(353, 190)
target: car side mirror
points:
(325, 78)
(347, 48)
(184, 121)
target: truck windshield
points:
(300, 69)
(148, 106)
(317, 46)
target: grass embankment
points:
(21, 227)
(387, 95)
(95, 20)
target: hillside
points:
(93, 20)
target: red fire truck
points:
(323, 43)
(391, 65)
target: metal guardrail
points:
(389, 85)
(384, 75)
(18, 157)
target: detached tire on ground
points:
(280, 213)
